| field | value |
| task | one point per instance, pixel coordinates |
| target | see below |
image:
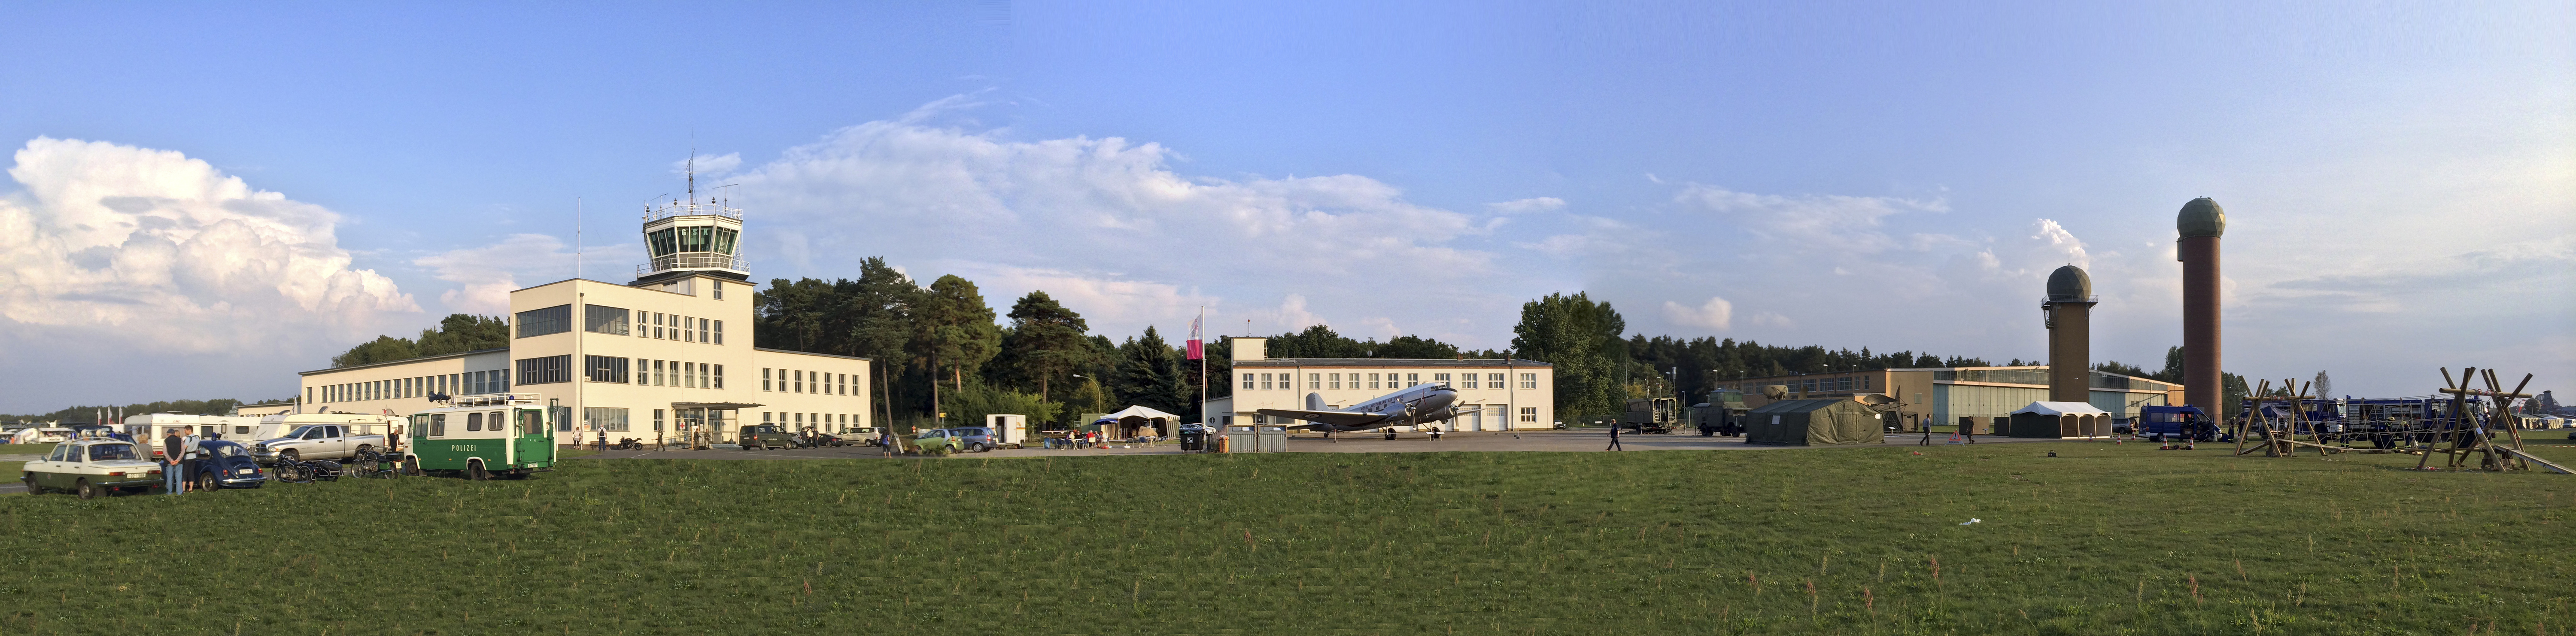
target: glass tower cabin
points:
(692, 237)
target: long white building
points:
(1493, 395)
(650, 359)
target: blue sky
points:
(292, 178)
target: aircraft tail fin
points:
(1315, 402)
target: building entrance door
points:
(1475, 417)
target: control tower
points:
(692, 237)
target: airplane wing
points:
(1345, 419)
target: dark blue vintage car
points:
(224, 464)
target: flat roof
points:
(810, 353)
(1391, 362)
(403, 361)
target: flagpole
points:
(1198, 336)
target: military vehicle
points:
(1658, 416)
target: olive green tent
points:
(1814, 423)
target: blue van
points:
(2175, 423)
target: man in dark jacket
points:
(173, 449)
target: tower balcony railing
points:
(694, 260)
(691, 208)
(2056, 298)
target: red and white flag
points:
(1198, 348)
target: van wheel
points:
(86, 490)
(474, 471)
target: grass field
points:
(2101, 540)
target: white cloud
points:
(1102, 211)
(150, 248)
(1715, 314)
(486, 275)
(706, 164)
(1525, 206)
(1098, 299)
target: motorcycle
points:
(629, 443)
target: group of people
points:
(177, 453)
(1074, 439)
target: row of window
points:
(1813, 385)
(497, 421)
(647, 372)
(822, 421)
(1317, 381)
(1528, 414)
(801, 381)
(619, 321)
(610, 418)
(467, 383)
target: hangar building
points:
(1944, 395)
(648, 359)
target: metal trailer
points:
(483, 436)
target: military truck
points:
(1658, 416)
(1721, 416)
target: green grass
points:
(2101, 540)
(26, 449)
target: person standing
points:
(172, 447)
(1435, 433)
(189, 452)
(1614, 439)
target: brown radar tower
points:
(2200, 224)
(2069, 313)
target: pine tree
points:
(1044, 343)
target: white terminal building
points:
(1493, 395)
(649, 359)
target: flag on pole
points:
(1198, 347)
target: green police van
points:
(483, 436)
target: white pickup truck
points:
(318, 441)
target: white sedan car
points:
(92, 467)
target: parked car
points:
(975, 438)
(221, 464)
(938, 441)
(765, 437)
(317, 441)
(91, 468)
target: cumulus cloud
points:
(1714, 314)
(1109, 212)
(1526, 206)
(152, 248)
(486, 275)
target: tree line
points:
(943, 349)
